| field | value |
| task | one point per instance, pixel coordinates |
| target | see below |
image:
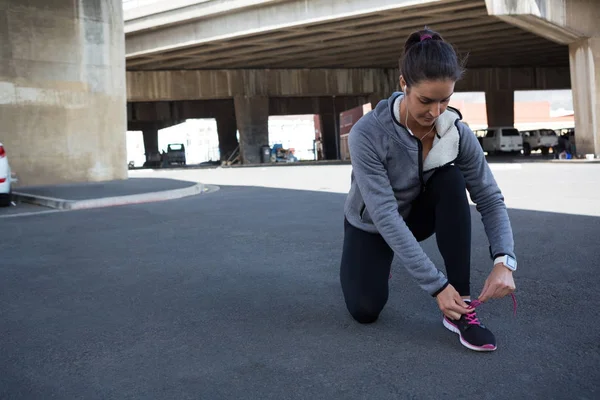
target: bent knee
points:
(365, 314)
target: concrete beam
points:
(153, 86)
(223, 84)
(185, 32)
(151, 124)
(562, 21)
(169, 12)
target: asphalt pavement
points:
(235, 294)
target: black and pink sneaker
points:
(473, 334)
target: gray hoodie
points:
(388, 174)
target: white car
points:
(5, 179)
(502, 140)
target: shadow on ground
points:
(236, 295)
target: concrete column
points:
(62, 90)
(150, 141)
(375, 98)
(227, 130)
(330, 127)
(585, 82)
(500, 107)
(252, 118)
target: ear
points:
(402, 84)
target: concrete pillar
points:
(330, 127)
(585, 82)
(252, 118)
(500, 107)
(227, 130)
(375, 98)
(150, 141)
(62, 90)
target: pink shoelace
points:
(472, 317)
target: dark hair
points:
(428, 57)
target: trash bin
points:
(265, 154)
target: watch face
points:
(511, 262)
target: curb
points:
(290, 164)
(63, 204)
(577, 161)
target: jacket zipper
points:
(420, 164)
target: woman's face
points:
(428, 99)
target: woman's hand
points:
(451, 304)
(500, 283)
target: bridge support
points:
(227, 130)
(252, 116)
(150, 141)
(63, 90)
(500, 107)
(585, 78)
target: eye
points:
(425, 101)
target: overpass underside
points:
(62, 80)
(321, 50)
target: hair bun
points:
(421, 36)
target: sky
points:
(559, 99)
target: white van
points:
(539, 139)
(502, 140)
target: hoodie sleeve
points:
(371, 177)
(485, 193)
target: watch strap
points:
(507, 260)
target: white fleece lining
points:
(446, 143)
(446, 146)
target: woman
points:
(412, 159)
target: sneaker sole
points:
(452, 328)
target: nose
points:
(435, 110)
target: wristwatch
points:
(508, 261)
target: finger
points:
(461, 307)
(452, 315)
(505, 291)
(459, 302)
(484, 290)
(487, 293)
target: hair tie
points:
(426, 36)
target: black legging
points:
(442, 209)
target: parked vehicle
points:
(539, 139)
(176, 154)
(502, 140)
(5, 178)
